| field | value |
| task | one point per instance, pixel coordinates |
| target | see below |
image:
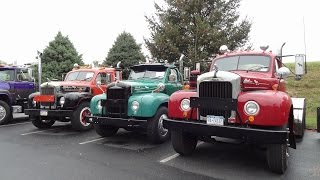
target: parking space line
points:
(34, 132)
(169, 158)
(6, 125)
(94, 140)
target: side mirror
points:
(299, 65)
(283, 72)
(186, 73)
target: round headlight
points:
(99, 105)
(185, 104)
(135, 105)
(251, 108)
(62, 101)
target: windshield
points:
(80, 76)
(6, 75)
(244, 63)
(136, 74)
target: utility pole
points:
(39, 68)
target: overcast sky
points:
(93, 26)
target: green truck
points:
(137, 104)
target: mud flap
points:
(292, 137)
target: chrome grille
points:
(215, 89)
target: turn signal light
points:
(251, 118)
(275, 87)
(186, 87)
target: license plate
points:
(43, 113)
(215, 120)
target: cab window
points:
(102, 77)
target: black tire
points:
(277, 157)
(40, 122)
(5, 113)
(78, 117)
(183, 143)
(105, 130)
(155, 130)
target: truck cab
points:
(16, 83)
(242, 97)
(137, 104)
(68, 100)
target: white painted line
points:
(94, 140)
(34, 132)
(169, 158)
(6, 125)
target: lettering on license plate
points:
(215, 120)
(43, 113)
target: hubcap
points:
(3, 113)
(84, 112)
(162, 131)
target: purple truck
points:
(16, 83)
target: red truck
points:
(242, 97)
(69, 100)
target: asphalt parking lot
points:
(62, 153)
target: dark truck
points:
(16, 83)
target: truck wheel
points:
(40, 123)
(183, 143)
(105, 130)
(5, 113)
(155, 130)
(78, 119)
(277, 157)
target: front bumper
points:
(49, 113)
(117, 122)
(249, 135)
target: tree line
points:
(195, 28)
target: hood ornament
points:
(216, 69)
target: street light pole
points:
(39, 68)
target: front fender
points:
(95, 110)
(148, 104)
(274, 107)
(175, 112)
(73, 99)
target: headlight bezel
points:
(135, 105)
(183, 104)
(251, 104)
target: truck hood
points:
(256, 80)
(4, 85)
(140, 86)
(68, 86)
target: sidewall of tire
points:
(75, 119)
(152, 127)
(183, 143)
(8, 115)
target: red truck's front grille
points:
(215, 89)
(47, 90)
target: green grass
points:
(309, 88)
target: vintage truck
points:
(243, 97)
(16, 83)
(137, 104)
(69, 100)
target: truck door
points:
(23, 85)
(101, 77)
(173, 81)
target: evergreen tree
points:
(58, 58)
(196, 28)
(126, 50)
